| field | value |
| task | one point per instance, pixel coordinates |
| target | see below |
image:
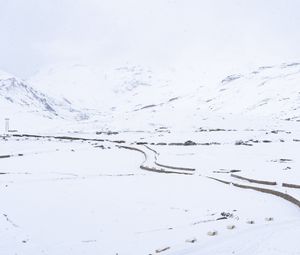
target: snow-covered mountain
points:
(142, 98)
(24, 104)
(270, 93)
(107, 88)
(267, 91)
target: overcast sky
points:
(38, 33)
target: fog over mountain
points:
(206, 36)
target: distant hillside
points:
(135, 97)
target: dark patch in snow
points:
(148, 106)
(231, 78)
(173, 99)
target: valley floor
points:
(90, 196)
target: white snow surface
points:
(64, 197)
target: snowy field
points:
(63, 196)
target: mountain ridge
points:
(130, 95)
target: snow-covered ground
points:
(62, 196)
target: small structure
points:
(6, 125)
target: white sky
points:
(195, 33)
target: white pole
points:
(6, 125)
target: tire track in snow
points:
(282, 195)
(150, 163)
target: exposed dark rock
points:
(266, 141)
(241, 142)
(141, 143)
(189, 143)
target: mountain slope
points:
(141, 98)
(267, 91)
(24, 104)
(266, 94)
(103, 88)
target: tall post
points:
(6, 125)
